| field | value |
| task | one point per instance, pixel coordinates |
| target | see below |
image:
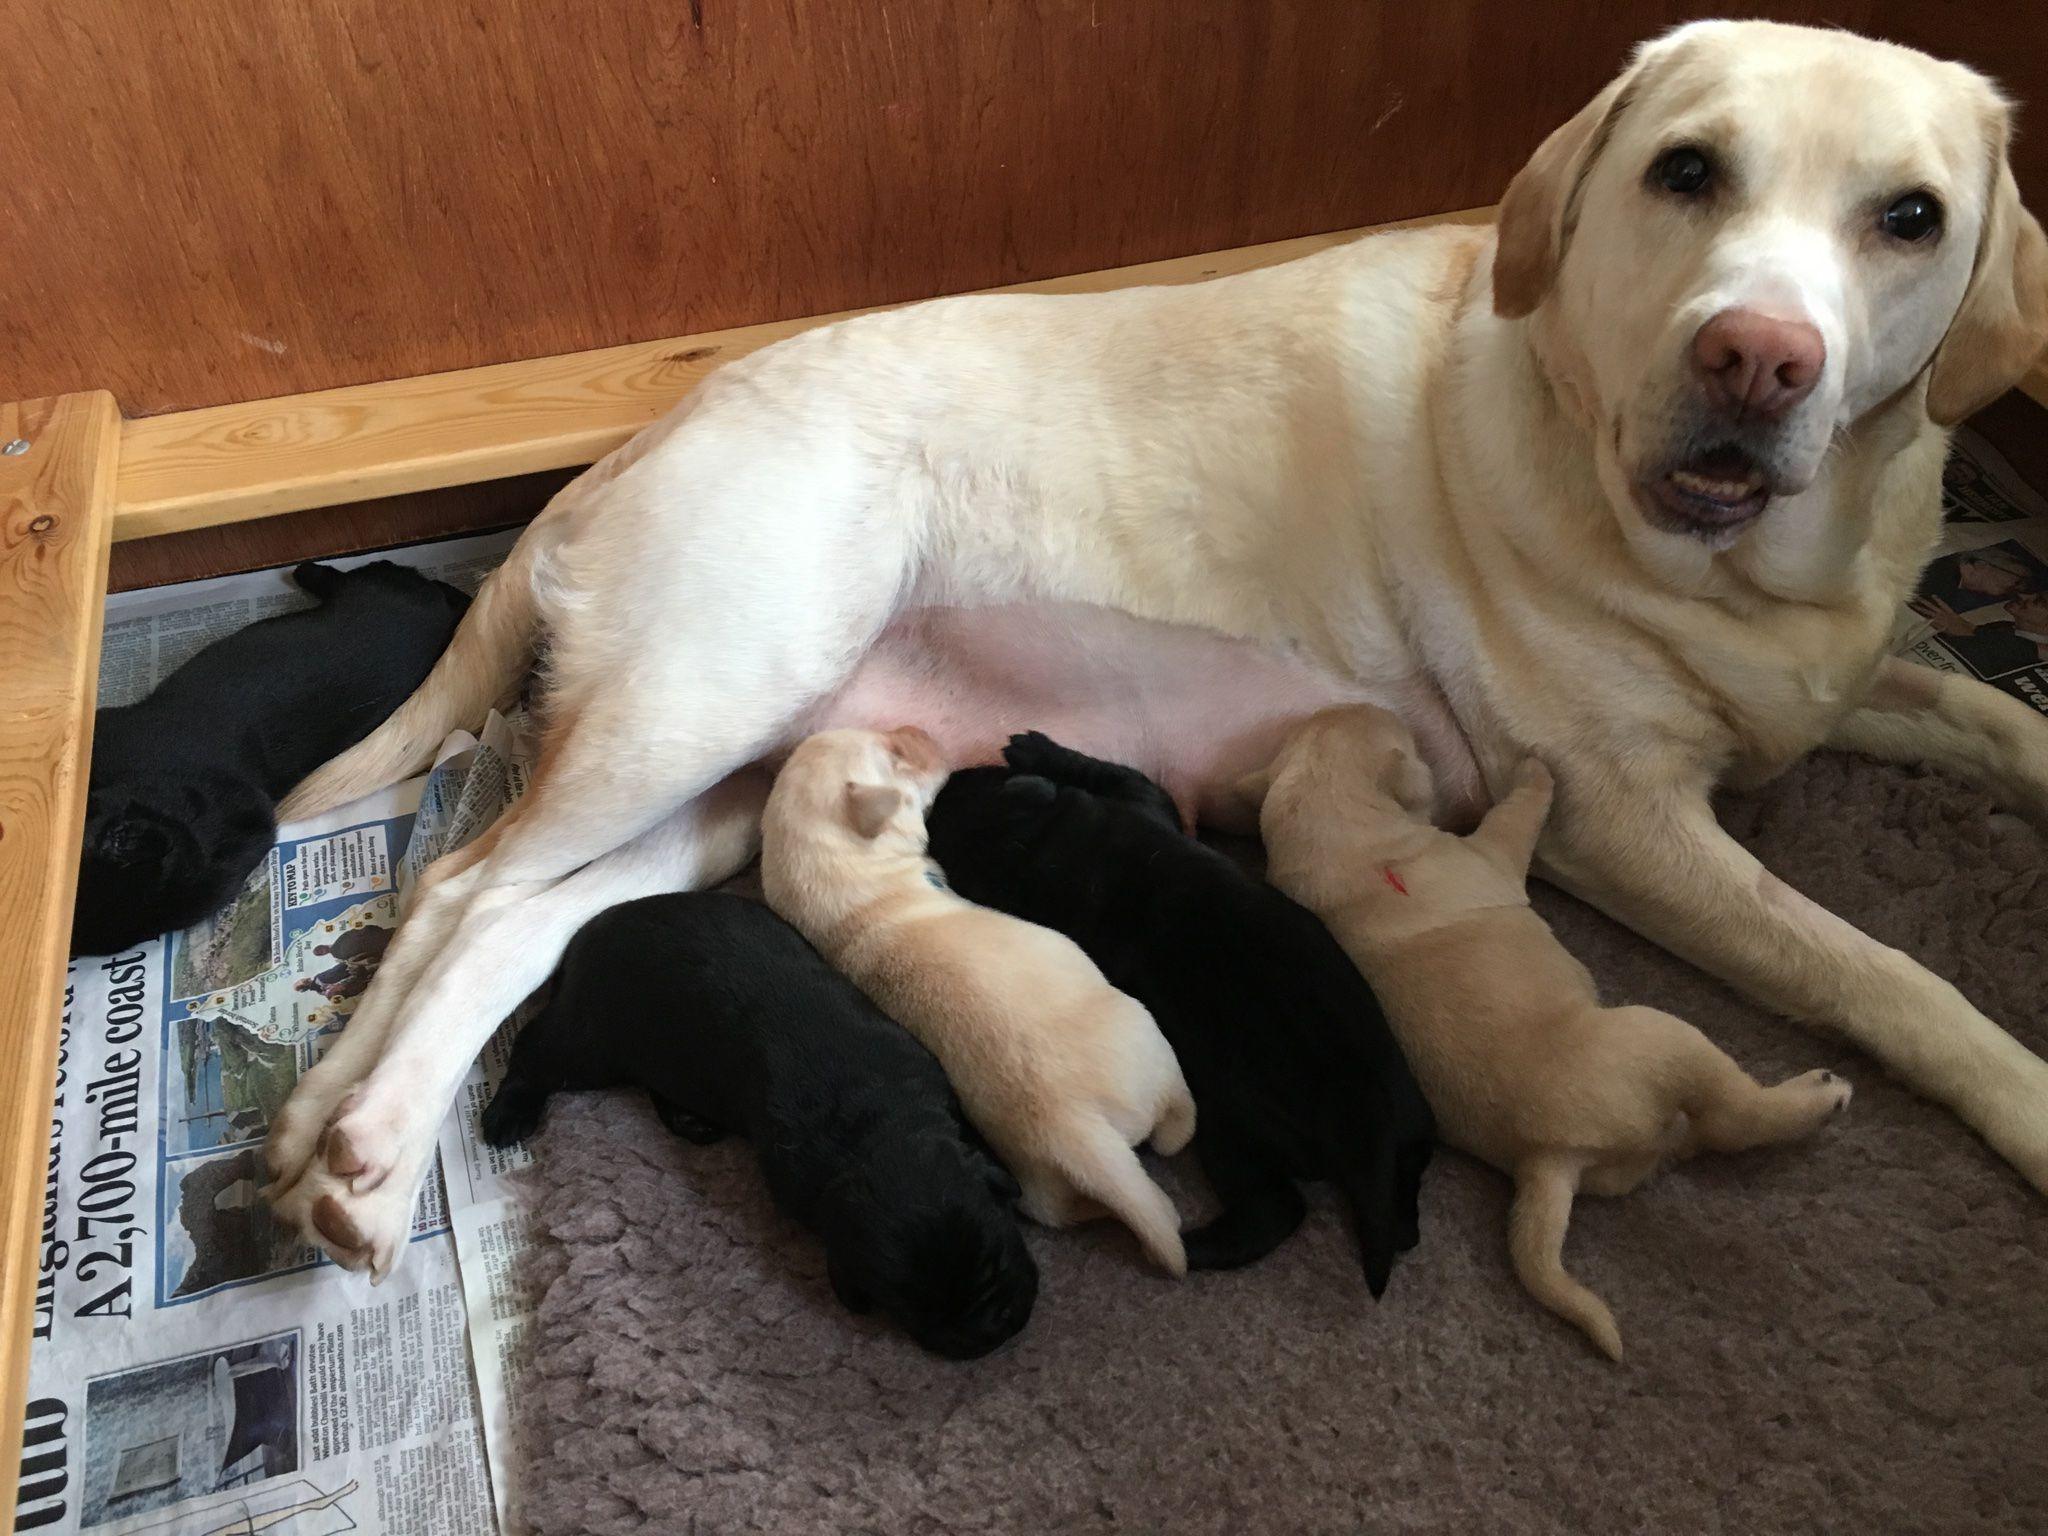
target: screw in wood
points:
(16, 448)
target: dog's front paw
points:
(1033, 752)
(299, 1126)
(359, 1232)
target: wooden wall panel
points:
(233, 199)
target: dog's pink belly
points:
(1193, 709)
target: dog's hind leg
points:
(1175, 1126)
(357, 1202)
(1730, 1111)
(1103, 1167)
(1262, 1206)
(1544, 1186)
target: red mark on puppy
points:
(1394, 880)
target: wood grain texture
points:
(229, 201)
(55, 516)
(226, 463)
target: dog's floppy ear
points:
(1001, 1182)
(1539, 207)
(870, 806)
(1251, 790)
(1404, 778)
(2003, 322)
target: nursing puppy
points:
(1060, 1071)
(732, 1023)
(1281, 1039)
(179, 802)
(1523, 1066)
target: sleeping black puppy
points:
(179, 802)
(1294, 1070)
(732, 1022)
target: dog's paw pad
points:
(343, 1160)
(332, 1220)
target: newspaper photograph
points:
(1982, 606)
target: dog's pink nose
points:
(1755, 362)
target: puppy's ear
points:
(915, 749)
(1251, 790)
(1405, 779)
(870, 806)
(850, 1295)
(1028, 790)
(1539, 208)
(315, 579)
(1001, 1182)
(2002, 323)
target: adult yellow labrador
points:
(1635, 482)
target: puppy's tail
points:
(1544, 1186)
(1099, 1164)
(492, 649)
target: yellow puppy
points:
(1502, 1026)
(1060, 1071)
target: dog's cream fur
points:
(1506, 1034)
(1060, 1071)
(1420, 460)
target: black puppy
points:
(732, 1022)
(1294, 1070)
(179, 804)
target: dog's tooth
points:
(1718, 490)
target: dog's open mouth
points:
(1711, 494)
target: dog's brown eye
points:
(1913, 218)
(1684, 171)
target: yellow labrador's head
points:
(1752, 238)
(874, 785)
(1354, 763)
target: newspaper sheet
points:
(1982, 607)
(194, 1368)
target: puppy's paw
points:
(1826, 1094)
(1026, 746)
(1534, 775)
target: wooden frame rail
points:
(227, 463)
(56, 502)
(85, 477)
